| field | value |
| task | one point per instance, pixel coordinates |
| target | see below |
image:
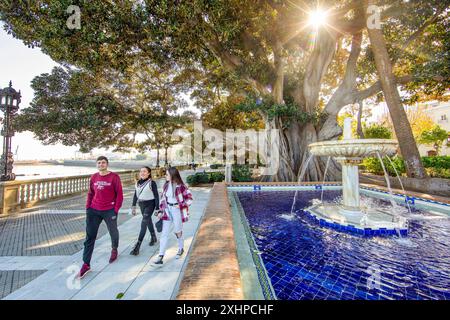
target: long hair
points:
(175, 175)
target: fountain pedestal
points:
(350, 183)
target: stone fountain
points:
(350, 213)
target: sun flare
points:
(317, 18)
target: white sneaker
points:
(158, 260)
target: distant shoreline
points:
(36, 162)
(118, 164)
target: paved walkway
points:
(50, 274)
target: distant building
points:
(439, 112)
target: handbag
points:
(159, 225)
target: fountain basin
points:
(364, 221)
(354, 148)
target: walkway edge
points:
(213, 271)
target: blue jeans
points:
(93, 220)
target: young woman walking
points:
(174, 211)
(146, 195)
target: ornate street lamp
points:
(9, 104)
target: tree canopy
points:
(263, 49)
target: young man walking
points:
(104, 200)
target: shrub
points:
(442, 162)
(216, 177)
(376, 131)
(205, 177)
(241, 173)
(197, 178)
(436, 167)
(435, 137)
(373, 165)
(191, 180)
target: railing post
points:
(9, 197)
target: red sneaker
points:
(114, 255)
(84, 270)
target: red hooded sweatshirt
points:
(105, 192)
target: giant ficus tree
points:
(302, 74)
(67, 109)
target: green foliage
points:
(216, 176)
(241, 173)
(437, 167)
(436, 137)
(120, 295)
(224, 115)
(197, 178)
(236, 44)
(376, 131)
(442, 162)
(205, 177)
(288, 111)
(67, 109)
(373, 165)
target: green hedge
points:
(436, 167)
(205, 177)
(442, 162)
(241, 173)
(373, 165)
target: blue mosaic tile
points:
(304, 260)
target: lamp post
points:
(9, 104)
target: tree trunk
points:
(359, 129)
(157, 157)
(294, 153)
(165, 157)
(408, 146)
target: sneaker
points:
(84, 270)
(179, 253)
(159, 260)
(114, 255)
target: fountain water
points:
(350, 213)
(300, 178)
(400, 182)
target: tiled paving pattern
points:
(50, 238)
(15, 279)
(45, 234)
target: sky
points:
(21, 64)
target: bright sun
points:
(317, 18)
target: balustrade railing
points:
(20, 194)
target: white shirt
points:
(171, 194)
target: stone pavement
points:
(41, 262)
